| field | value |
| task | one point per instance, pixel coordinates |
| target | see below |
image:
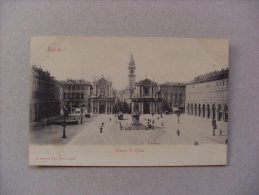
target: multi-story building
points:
(173, 95)
(75, 95)
(207, 96)
(102, 98)
(45, 95)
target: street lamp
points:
(178, 114)
(81, 111)
(64, 122)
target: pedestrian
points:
(101, 129)
(102, 123)
(214, 126)
(110, 119)
(226, 142)
(220, 132)
(157, 118)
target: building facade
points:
(207, 96)
(147, 96)
(45, 95)
(173, 95)
(102, 98)
(75, 95)
(144, 93)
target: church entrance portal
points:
(102, 107)
(146, 109)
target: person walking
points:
(214, 126)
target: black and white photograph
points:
(128, 101)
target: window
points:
(223, 82)
(77, 88)
(73, 88)
(146, 90)
(69, 88)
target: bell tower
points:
(132, 76)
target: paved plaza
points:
(192, 129)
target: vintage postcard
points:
(128, 101)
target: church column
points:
(98, 106)
(92, 106)
(106, 106)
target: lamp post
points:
(64, 122)
(178, 114)
(81, 111)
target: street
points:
(191, 129)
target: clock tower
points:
(132, 76)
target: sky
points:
(158, 59)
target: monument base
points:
(136, 125)
(135, 120)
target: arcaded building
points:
(174, 94)
(75, 95)
(207, 96)
(102, 99)
(45, 95)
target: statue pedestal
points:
(135, 120)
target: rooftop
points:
(75, 82)
(212, 76)
(173, 84)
